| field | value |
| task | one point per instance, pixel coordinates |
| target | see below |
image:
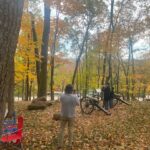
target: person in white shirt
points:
(68, 103)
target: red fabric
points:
(14, 136)
(11, 137)
(20, 125)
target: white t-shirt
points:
(68, 104)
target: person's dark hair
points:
(68, 89)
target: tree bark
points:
(109, 46)
(81, 51)
(86, 66)
(10, 20)
(80, 72)
(53, 56)
(126, 73)
(22, 90)
(27, 81)
(10, 98)
(98, 70)
(44, 52)
(110, 38)
(30, 90)
(104, 69)
(36, 50)
(110, 69)
(118, 77)
(132, 64)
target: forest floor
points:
(128, 128)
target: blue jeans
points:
(106, 104)
(111, 103)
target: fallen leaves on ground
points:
(128, 128)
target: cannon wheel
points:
(86, 105)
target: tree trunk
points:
(110, 69)
(118, 77)
(53, 57)
(23, 89)
(44, 52)
(30, 90)
(77, 81)
(27, 81)
(110, 38)
(133, 69)
(10, 20)
(81, 51)
(139, 93)
(98, 70)
(10, 98)
(86, 67)
(80, 76)
(144, 92)
(126, 73)
(36, 50)
(104, 69)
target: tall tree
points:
(44, 51)
(53, 51)
(110, 36)
(9, 31)
(81, 50)
(89, 14)
(36, 49)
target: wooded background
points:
(84, 42)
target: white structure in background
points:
(147, 97)
(98, 91)
(57, 95)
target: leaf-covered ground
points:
(128, 128)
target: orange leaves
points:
(126, 128)
(63, 27)
(52, 3)
(148, 88)
(63, 71)
(25, 55)
(62, 30)
(137, 76)
(69, 7)
(73, 7)
(26, 23)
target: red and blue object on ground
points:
(10, 125)
(12, 131)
